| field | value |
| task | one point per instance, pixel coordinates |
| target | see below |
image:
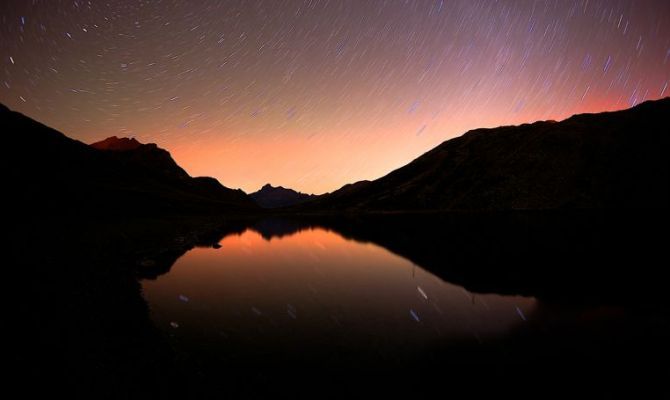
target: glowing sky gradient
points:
(316, 94)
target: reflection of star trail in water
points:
(316, 94)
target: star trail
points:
(316, 94)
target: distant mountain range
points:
(277, 196)
(607, 160)
(591, 161)
(50, 173)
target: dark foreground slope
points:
(277, 196)
(607, 160)
(49, 173)
(78, 323)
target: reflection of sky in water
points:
(317, 285)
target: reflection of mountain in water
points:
(82, 286)
(271, 228)
(596, 314)
(560, 256)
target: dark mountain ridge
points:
(148, 158)
(119, 144)
(277, 196)
(49, 173)
(606, 160)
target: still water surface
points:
(315, 291)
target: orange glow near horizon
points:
(324, 163)
(315, 95)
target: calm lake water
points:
(317, 294)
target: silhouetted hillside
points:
(273, 197)
(607, 160)
(149, 159)
(119, 144)
(50, 173)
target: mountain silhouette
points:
(277, 196)
(49, 173)
(606, 160)
(119, 144)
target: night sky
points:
(316, 94)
